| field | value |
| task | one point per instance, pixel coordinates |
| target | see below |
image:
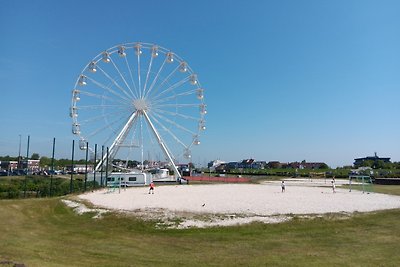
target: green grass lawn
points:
(377, 188)
(386, 189)
(44, 232)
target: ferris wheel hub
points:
(140, 104)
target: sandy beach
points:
(229, 204)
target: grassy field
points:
(386, 189)
(44, 232)
(377, 188)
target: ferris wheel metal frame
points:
(137, 93)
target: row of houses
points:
(253, 164)
(32, 165)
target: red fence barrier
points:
(217, 179)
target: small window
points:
(110, 179)
(132, 179)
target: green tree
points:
(379, 164)
(64, 162)
(35, 156)
(8, 158)
(323, 166)
(45, 161)
(367, 163)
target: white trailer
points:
(123, 179)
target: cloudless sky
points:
(285, 80)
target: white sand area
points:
(227, 204)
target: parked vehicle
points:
(128, 179)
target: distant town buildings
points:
(32, 165)
(9, 165)
(80, 168)
(221, 166)
(215, 163)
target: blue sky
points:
(284, 80)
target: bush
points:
(39, 186)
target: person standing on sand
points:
(283, 186)
(151, 188)
(333, 186)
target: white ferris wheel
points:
(139, 100)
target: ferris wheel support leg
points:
(162, 145)
(120, 139)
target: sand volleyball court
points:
(228, 204)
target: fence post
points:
(86, 159)
(72, 167)
(102, 166)
(94, 166)
(52, 167)
(108, 153)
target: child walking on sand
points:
(283, 186)
(151, 188)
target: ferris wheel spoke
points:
(122, 76)
(101, 117)
(166, 99)
(156, 77)
(178, 105)
(120, 138)
(165, 80)
(176, 114)
(107, 88)
(105, 126)
(169, 132)
(172, 87)
(174, 123)
(151, 136)
(134, 134)
(164, 146)
(98, 106)
(115, 83)
(147, 75)
(103, 97)
(139, 81)
(131, 76)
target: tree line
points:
(380, 164)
